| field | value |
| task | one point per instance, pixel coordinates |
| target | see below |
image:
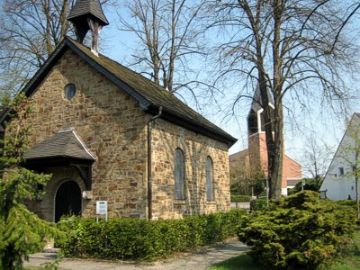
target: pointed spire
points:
(256, 104)
(255, 117)
(88, 15)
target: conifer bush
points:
(140, 239)
(298, 232)
(21, 231)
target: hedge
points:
(240, 198)
(140, 239)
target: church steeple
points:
(255, 117)
(88, 15)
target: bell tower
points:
(256, 134)
(88, 15)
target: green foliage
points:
(21, 232)
(240, 198)
(313, 184)
(298, 232)
(142, 239)
(258, 204)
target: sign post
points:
(101, 210)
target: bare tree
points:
(317, 156)
(30, 30)
(283, 46)
(168, 32)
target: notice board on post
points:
(101, 209)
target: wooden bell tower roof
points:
(88, 15)
(84, 8)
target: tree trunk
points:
(276, 161)
(357, 195)
(276, 156)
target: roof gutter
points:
(149, 143)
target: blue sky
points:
(301, 122)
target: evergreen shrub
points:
(298, 232)
(258, 204)
(140, 239)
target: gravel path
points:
(199, 260)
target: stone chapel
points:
(106, 133)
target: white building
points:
(339, 181)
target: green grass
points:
(242, 262)
(352, 260)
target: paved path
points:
(200, 260)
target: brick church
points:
(254, 159)
(106, 133)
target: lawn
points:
(352, 260)
(244, 262)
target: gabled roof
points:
(238, 155)
(150, 96)
(64, 144)
(350, 125)
(245, 152)
(88, 7)
(256, 104)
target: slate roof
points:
(238, 155)
(66, 144)
(86, 7)
(256, 104)
(150, 96)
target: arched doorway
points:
(67, 200)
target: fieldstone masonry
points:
(114, 129)
(166, 138)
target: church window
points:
(252, 123)
(341, 171)
(69, 91)
(179, 174)
(209, 179)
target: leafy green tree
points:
(21, 231)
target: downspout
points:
(149, 141)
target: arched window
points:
(69, 91)
(209, 179)
(179, 174)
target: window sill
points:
(179, 201)
(211, 202)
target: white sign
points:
(101, 208)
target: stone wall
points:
(109, 122)
(167, 137)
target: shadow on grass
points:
(242, 262)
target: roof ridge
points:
(157, 87)
(129, 69)
(149, 95)
(82, 143)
